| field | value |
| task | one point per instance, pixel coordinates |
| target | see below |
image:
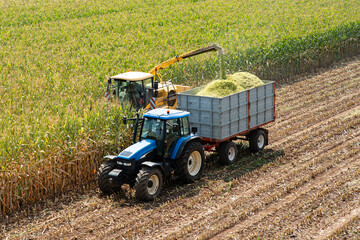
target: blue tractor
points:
(166, 149)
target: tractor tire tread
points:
(141, 192)
(103, 179)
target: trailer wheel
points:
(104, 182)
(227, 152)
(191, 162)
(149, 183)
(257, 140)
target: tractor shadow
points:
(213, 171)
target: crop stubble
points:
(313, 187)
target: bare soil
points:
(305, 185)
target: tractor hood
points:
(137, 150)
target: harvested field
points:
(305, 185)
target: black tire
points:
(191, 162)
(149, 183)
(227, 153)
(104, 182)
(257, 140)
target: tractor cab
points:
(161, 129)
(166, 127)
(134, 88)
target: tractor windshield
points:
(152, 129)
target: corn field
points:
(55, 57)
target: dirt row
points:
(305, 185)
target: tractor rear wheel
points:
(257, 140)
(227, 152)
(104, 182)
(149, 183)
(191, 162)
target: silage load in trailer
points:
(232, 84)
(245, 80)
(220, 88)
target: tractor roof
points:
(166, 114)
(132, 76)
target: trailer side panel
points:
(221, 118)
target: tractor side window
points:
(173, 133)
(173, 127)
(185, 127)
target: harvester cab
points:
(166, 149)
(137, 88)
(134, 88)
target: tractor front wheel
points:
(191, 162)
(104, 182)
(149, 183)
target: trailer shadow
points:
(246, 162)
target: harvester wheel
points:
(257, 140)
(191, 162)
(227, 152)
(149, 183)
(104, 182)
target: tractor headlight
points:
(126, 164)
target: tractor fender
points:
(158, 165)
(110, 157)
(181, 143)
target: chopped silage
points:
(233, 83)
(220, 88)
(245, 79)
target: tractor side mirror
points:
(156, 85)
(194, 130)
(124, 120)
